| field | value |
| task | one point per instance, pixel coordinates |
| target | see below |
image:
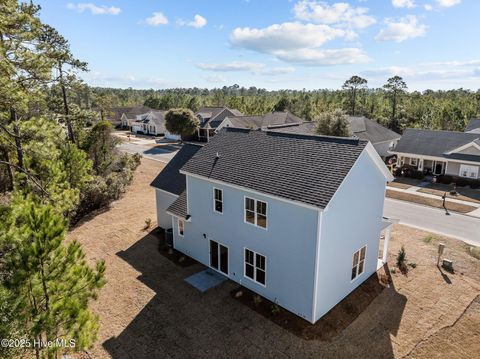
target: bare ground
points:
(147, 311)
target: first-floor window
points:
(181, 227)
(255, 266)
(358, 265)
(469, 171)
(413, 161)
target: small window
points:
(181, 227)
(413, 161)
(218, 200)
(256, 212)
(358, 265)
(255, 266)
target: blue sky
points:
(274, 44)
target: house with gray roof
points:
(152, 123)
(382, 138)
(268, 120)
(211, 118)
(281, 214)
(125, 115)
(473, 125)
(170, 183)
(440, 152)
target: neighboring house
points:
(124, 116)
(382, 138)
(153, 123)
(440, 152)
(294, 218)
(210, 118)
(268, 120)
(473, 126)
(170, 183)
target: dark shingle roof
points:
(170, 179)
(432, 143)
(473, 125)
(215, 115)
(360, 127)
(179, 206)
(270, 119)
(301, 168)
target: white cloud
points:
(407, 27)
(157, 19)
(197, 22)
(341, 14)
(287, 36)
(244, 66)
(428, 7)
(299, 43)
(232, 66)
(404, 3)
(319, 57)
(448, 3)
(94, 9)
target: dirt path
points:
(147, 311)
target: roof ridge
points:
(428, 130)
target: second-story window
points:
(256, 212)
(218, 200)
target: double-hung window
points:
(256, 212)
(255, 266)
(181, 227)
(218, 200)
(358, 265)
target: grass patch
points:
(429, 239)
(432, 202)
(474, 251)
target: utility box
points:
(447, 264)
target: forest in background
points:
(437, 110)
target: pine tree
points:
(50, 279)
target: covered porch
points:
(384, 241)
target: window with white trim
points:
(256, 212)
(413, 161)
(181, 227)
(468, 171)
(255, 266)
(218, 200)
(358, 265)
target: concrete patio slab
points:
(205, 280)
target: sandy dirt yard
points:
(147, 310)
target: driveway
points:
(455, 225)
(162, 153)
(147, 310)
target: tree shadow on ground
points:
(179, 321)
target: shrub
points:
(275, 309)
(148, 224)
(429, 239)
(401, 260)
(409, 171)
(257, 300)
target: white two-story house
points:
(295, 218)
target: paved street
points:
(162, 153)
(434, 220)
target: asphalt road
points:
(160, 153)
(434, 220)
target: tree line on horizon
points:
(392, 105)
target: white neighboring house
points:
(441, 152)
(295, 218)
(170, 183)
(153, 123)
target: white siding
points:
(164, 200)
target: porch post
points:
(385, 244)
